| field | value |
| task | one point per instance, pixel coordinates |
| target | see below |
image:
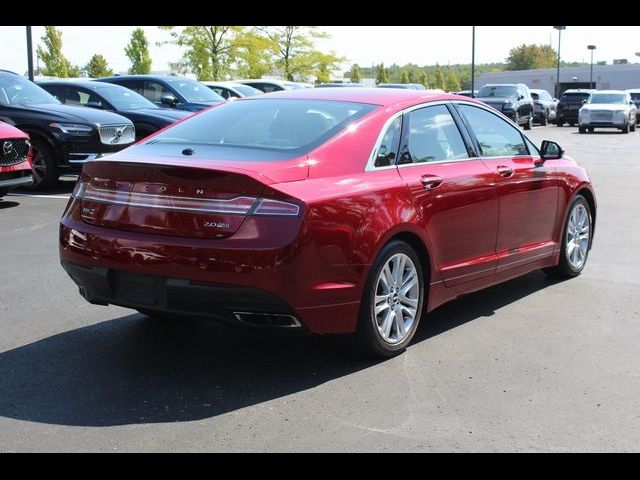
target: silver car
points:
(608, 109)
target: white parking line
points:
(37, 196)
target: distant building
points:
(605, 77)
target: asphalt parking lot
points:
(529, 365)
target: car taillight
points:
(276, 207)
(241, 205)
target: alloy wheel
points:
(578, 236)
(39, 166)
(396, 298)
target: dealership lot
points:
(529, 365)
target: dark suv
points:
(169, 91)
(62, 137)
(569, 104)
(512, 99)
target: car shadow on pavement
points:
(7, 204)
(135, 370)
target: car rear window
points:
(574, 97)
(635, 95)
(274, 124)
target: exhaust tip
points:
(278, 320)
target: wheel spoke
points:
(399, 320)
(386, 277)
(398, 270)
(409, 283)
(387, 324)
(409, 302)
(381, 308)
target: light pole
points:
(592, 48)
(473, 60)
(29, 54)
(559, 28)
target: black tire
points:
(582, 129)
(591, 129)
(564, 269)
(559, 123)
(632, 127)
(572, 124)
(625, 129)
(529, 124)
(368, 338)
(3, 193)
(45, 165)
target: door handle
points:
(504, 170)
(429, 182)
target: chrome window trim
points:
(370, 167)
(372, 158)
(503, 117)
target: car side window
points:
(388, 149)
(497, 138)
(432, 136)
(268, 87)
(75, 96)
(154, 91)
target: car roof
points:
(166, 78)
(609, 91)
(538, 90)
(579, 90)
(385, 97)
(79, 83)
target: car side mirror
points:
(97, 105)
(169, 99)
(584, 101)
(520, 97)
(550, 151)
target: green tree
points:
(138, 52)
(254, 54)
(354, 73)
(296, 56)
(405, 77)
(381, 74)
(210, 50)
(531, 56)
(452, 83)
(438, 81)
(424, 79)
(97, 67)
(55, 63)
(412, 76)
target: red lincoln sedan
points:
(327, 211)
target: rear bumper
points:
(567, 116)
(103, 286)
(212, 278)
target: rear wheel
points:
(591, 129)
(632, 127)
(625, 129)
(45, 165)
(582, 129)
(2, 193)
(392, 302)
(576, 240)
(559, 123)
